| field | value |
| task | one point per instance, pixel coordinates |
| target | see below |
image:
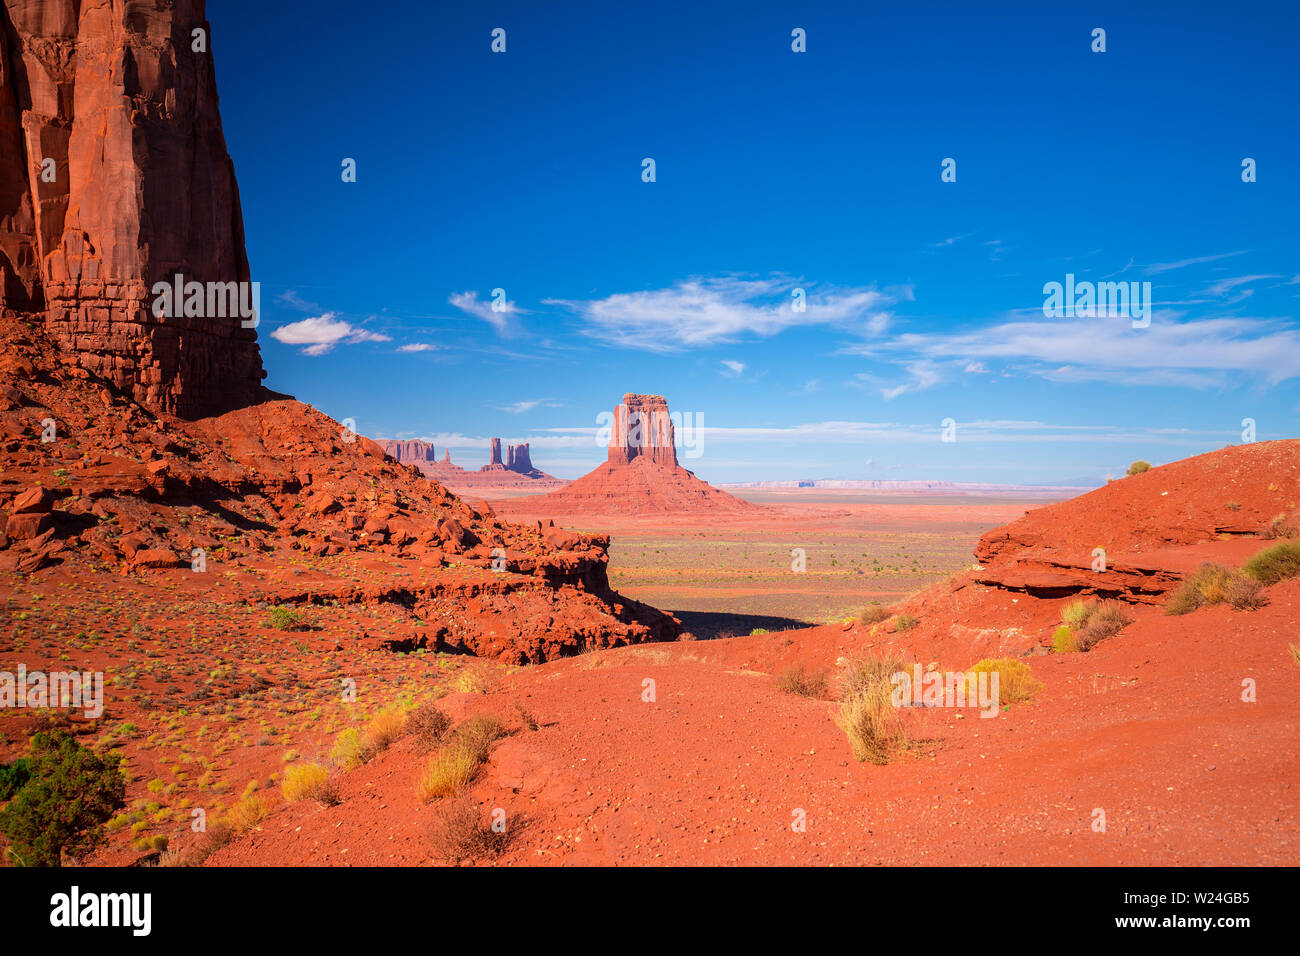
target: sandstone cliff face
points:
(643, 429)
(114, 175)
(411, 452)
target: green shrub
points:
(13, 776)
(1087, 624)
(905, 622)
(283, 618)
(1275, 563)
(1138, 467)
(1063, 641)
(70, 793)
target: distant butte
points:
(641, 474)
(516, 471)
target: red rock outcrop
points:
(411, 452)
(114, 176)
(643, 428)
(640, 474)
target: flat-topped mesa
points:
(642, 429)
(410, 452)
(114, 177)
(518, 458)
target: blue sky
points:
(775, 170)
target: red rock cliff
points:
(121, 96)
(642, 429)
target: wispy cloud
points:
(291, 299)
(1157, 267)
(321, 333)
(417, 347)
(498, 318)
(709, 311)
(732, 369)
(518, 408)
(1194, 353)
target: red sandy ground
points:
(1149, 727)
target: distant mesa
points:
(516, 471)
(640, 474)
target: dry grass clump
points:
(429, 726)
(473, 680)
(1278, 528)
(1215, 584)
(1086, 624)
(1276, 563)
(246, 814)
(383, 730)
(459, 833)
(452, 768)
(867, 715)
(905, 622)
(806, 683)
(348, 751)
(873, 613)
(1295, 653)
(1016, 682)
(309, 781)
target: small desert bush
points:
(383, 730)
(1105, 620)
(309, 781)
(873, 613)
(1138, 467)
(283, 618)
(1276, 563)
(459, 833)
(1016, 682)
(867, 715)
(1233, 506)
(1278, 528)
(1075, 614)
(1085, 624)
(1063, 640)
(758, 632)
(1295, 653)
(799, 680)
(349, 751)
(1215, 584)
(471, 680)
(61, 797)
(905, 622)
(452, 768)
(429, 726)
(247, 813)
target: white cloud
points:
(468, 302)
(518, 408)
(709, 311)
(417, 347)
(1224, 286)
(323, 332)
(925, 374)
(734, 369)
(1196, 353)
(976, 368)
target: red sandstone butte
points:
(516, 471)
(640, 474)
(140, 189)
